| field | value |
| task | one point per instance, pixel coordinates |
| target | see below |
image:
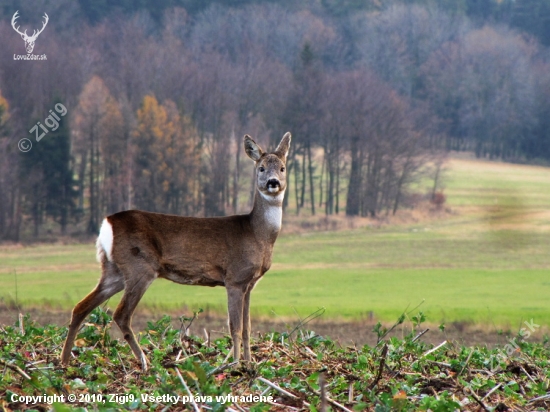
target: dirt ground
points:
(345, 332)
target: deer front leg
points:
(246, 324)
(235, 300)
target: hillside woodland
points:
(141, 105)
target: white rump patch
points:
(105, 240)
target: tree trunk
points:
(296, 186)
(354, 188)
(92, 223)
(303, 188)
(321, 180)
(329, 205)
(235, 200)
(311, 184)
(337, 194)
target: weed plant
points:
(293, 370)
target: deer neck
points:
(267, 215)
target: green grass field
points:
(487, 261)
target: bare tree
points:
(335, 131)
(96, 134)
(278, 31)
(397, 41)
(378, 132)
(301, 114)
(10, 215)
(483, 86)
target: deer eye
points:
(282, 169)
(262, 169)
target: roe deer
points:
(136, 247)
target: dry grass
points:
(423, 212)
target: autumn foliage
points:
(158, 100)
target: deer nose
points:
(273, 183)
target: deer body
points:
(137, 247)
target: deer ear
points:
(282, 149)
(252, 149)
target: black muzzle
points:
(273, 183)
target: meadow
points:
(484, 259)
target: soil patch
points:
(344, 332)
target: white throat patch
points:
(274, 210)
(274, 216)
(274, 199)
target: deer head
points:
(270, 167)
(29, 40)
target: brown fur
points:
(233, 251)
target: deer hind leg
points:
(111, 282)
(235, 306)
(135, 288)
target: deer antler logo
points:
(29, 40)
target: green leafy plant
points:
(396, 375)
